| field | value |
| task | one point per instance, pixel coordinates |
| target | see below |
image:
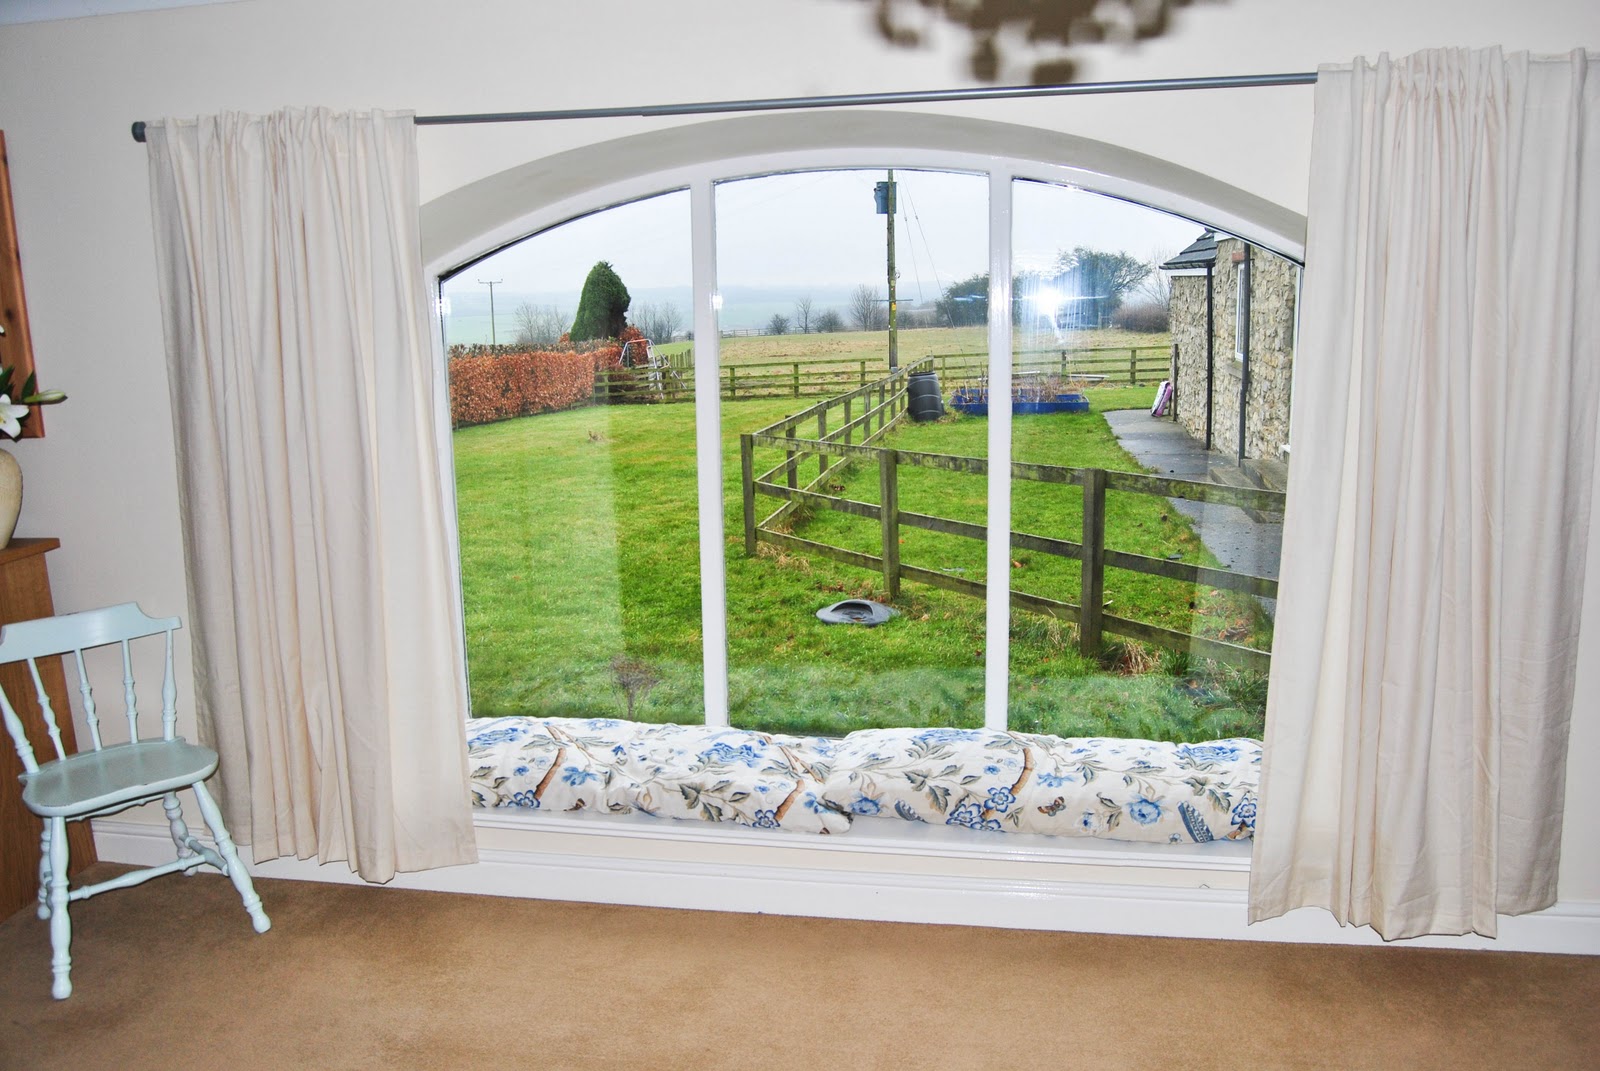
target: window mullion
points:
(997, 642)
(708, 449)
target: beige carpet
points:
(169, 975)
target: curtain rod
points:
(852, 100)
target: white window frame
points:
(700, 180)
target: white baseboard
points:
(1147, 910)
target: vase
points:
(10, 496)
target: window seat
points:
(1003, 782)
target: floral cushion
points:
(554, 764)
(675, 771)
(1003, 782)
(1016, 782)
(730, 775)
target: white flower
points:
(11, 416)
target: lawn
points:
(579, 548)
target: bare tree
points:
(829, 321)
(802, 315)
(1155, 288)
(539, 325)
(659, 322)
(869, 310)
(778, 325)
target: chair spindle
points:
(88, 700)
(169, 697)
(129, 703)
(50, 723)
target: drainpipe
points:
(1243, 343)
(1211, 344)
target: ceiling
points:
(15, 11)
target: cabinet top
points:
(26, 547)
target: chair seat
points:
(94, 780)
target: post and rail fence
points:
(673, 379)
(884, 401)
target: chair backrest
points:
(74, 634)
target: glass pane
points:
(1111, 298)
(575, 474)
(815, 352)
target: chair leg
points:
(60, 924)
(230, 855)
(44, 871)
(179, 828)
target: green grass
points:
(579, 544)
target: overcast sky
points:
(821, 230)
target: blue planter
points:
(976, 403)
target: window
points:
(810, 411)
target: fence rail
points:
(673, 379)
(834, 448)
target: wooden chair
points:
(109, 779)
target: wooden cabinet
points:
(24, 595)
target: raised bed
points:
(974, 401)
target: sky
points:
(812, 232)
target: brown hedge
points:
(487, 387)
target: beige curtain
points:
(321, 583)
(1435, 535)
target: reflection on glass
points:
(571, 394)
(815, 352)
(1139, 617)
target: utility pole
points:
(886, 206)
(491, 284)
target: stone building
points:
(1223, 373)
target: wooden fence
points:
(824, 377)
(850, 421)
(832, 449)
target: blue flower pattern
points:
(973, 778)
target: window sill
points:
(895, 837)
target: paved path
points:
(1240, 543)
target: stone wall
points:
(1273, 294)
(1188, 318)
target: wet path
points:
(1239, 542)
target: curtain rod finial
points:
(138, 131)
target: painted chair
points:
(106, 779)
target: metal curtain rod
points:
(852, 100)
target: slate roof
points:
(1198, 254)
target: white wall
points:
(103, 480)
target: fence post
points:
(1063, 364)
(848, 409)
(747, 472)
(797, 379)
(863, 373)
(1133, 366)
(794, 466)
(822, 436)
(889, 497)
(733, 389)
(1092, 576)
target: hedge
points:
(486, 387)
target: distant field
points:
(873, 346)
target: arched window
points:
(714, 417)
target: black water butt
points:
(926, 401)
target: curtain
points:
(328, 673)
(1437, 520)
